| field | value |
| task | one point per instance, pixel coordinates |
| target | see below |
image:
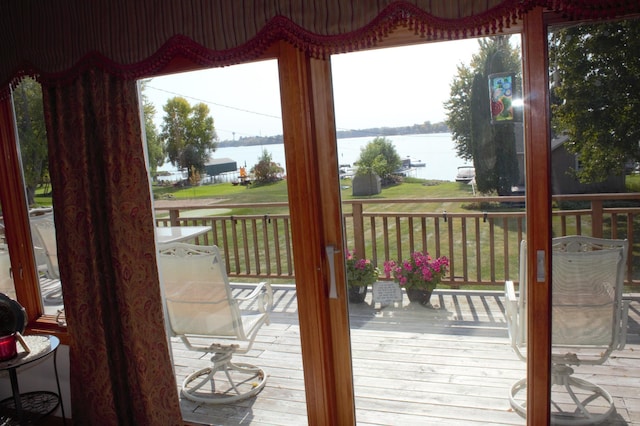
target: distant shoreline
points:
(425, 128)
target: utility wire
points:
(228, 107)
(216, 104)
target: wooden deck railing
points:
(482, 246)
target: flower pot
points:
(357, 293)
(420, 296)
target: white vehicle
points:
(465, 174)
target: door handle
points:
(541, 273)
(331, 257)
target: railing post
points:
(358, 230)
(596, 218)
(174, 215)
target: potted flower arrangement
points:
(418, 275)
(360, 274)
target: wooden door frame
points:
(538, 213)
(314, 202)
(316, 222)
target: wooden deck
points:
(452, 365)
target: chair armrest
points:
(512, 315)
(264, 292)
(510, 292)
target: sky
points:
(388, 87)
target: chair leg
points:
(576, 396)
(242, 381)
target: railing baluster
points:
(256, 247)
(451, 255)
(265, 243)
(505, 235)
(492, 249)
(465, 263)
(385, 237)
(412, 246)
(374, 241)
(287, 239)
(225, 243)
(478, 252)
(276, 239)
(398, 237)
(423, 233)
(631, 244)
(436, 233)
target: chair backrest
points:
(588, 280)
(45, 248)
(197, 293)
(587, 306)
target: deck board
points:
(452, 365)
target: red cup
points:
(8, 348)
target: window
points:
(26, 202)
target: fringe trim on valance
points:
(591, 9)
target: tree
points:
(266, 171)
(460, 102)
(155, 150)
(32, 135)
(491, 147)
(379, 156)
(188, 134)
(595, 92)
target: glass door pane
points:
(239, 196)
(431, 148)
(594, 79)
(32, 144)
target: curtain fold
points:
(119, 351)
(58, 39)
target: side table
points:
(28, 407)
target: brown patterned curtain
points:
(119, 350)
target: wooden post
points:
(174, 215)
(358, 230)
(596, 218)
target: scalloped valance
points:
(56, 39)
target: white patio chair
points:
(45, 249)
(203, 312)
(44, 244)
(589, 322)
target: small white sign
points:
(386, 292)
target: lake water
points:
(436, 150)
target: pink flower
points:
(417, 271)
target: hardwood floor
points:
(452, 365)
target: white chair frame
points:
(579, 394)
(202, 311)
(45, 249)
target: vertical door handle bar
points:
(331, 257)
